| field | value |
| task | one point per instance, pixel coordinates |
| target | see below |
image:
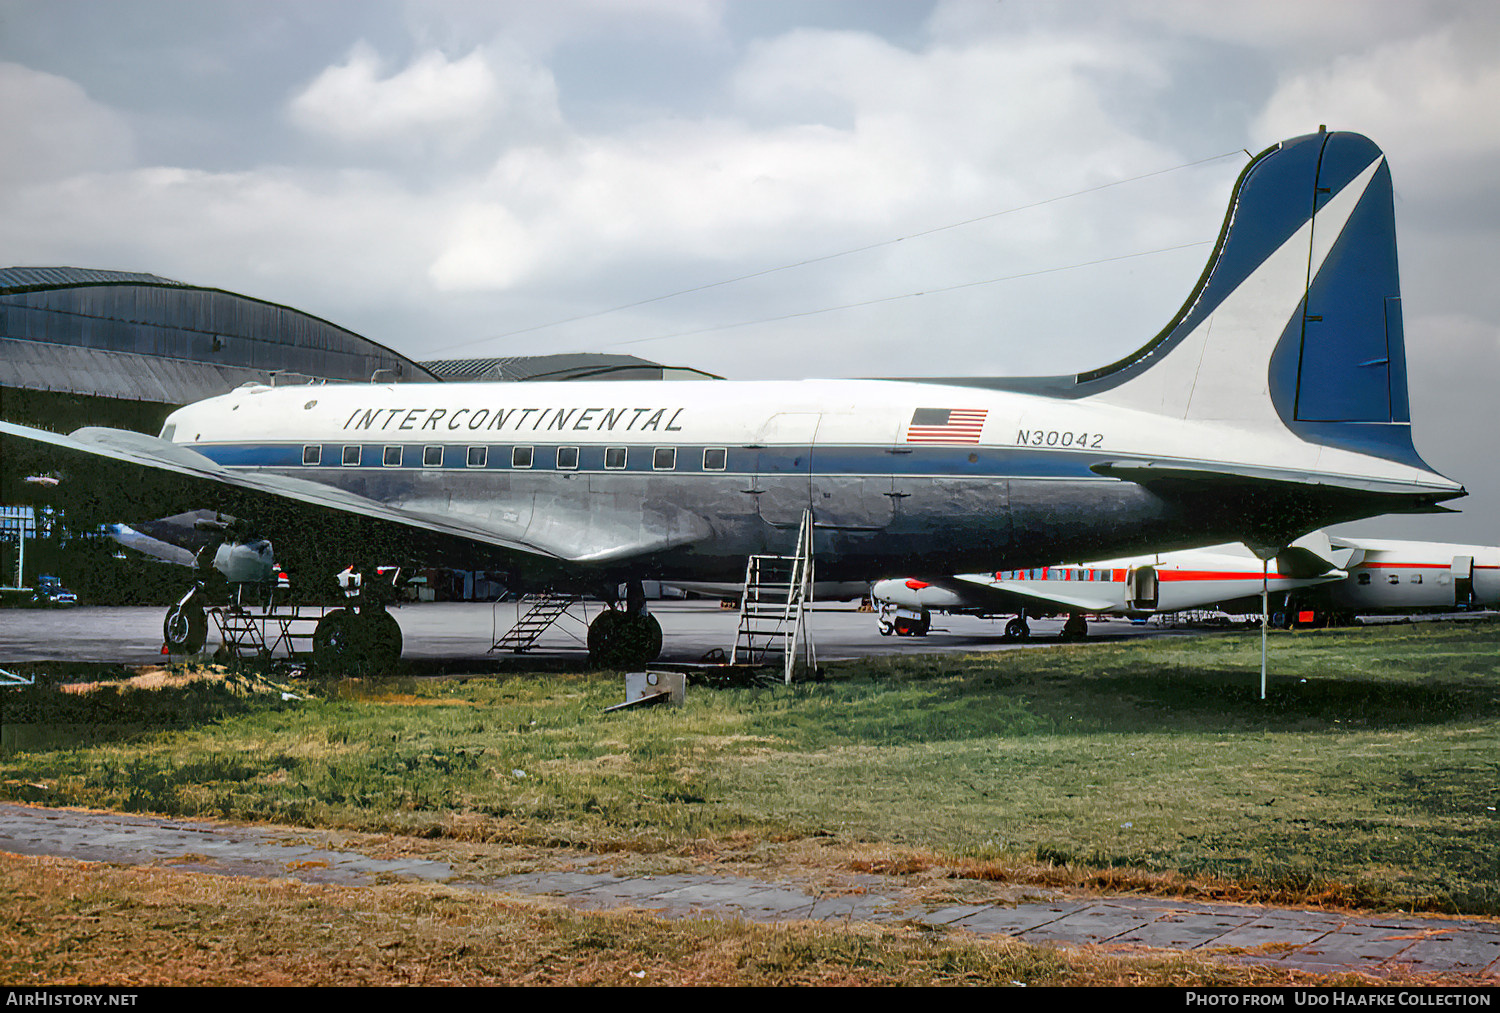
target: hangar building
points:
(114, 348)
(86, 347)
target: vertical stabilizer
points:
(1296, 322)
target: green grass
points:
(1372, 770)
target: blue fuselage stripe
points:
(842, 461)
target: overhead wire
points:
(911, 295)
(845, 253)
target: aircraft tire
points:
(1017, 630)
(1075, 628)
(363, 643)
(332, 646)
(381, 640)
(625, 640)
(601, 634)
(185, 628)
(913, 627)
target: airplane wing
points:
(156, 477)
(1013, 595)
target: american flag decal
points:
(946, 425)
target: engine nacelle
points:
(246, 562)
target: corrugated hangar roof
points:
(140, 337)
(20, 279)
(561, 366)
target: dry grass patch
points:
(68, 923)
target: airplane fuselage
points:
(1407, 576)
(899, 475)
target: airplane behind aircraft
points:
(1229, 577)
(1273, 403)
(1400, 578)
(1322, 580)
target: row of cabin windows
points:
(1393, 578)
(662, 458)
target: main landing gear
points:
(1076, 628)
(254, 621)
(1017, 629)
(362, 641)
(625, 637)
(903, 622)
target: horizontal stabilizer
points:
(1154, 472)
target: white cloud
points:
(431, 97)
(52, 128)
(486, 248)
(1426, 96)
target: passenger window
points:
(312, 453)
(479, 456)
(665, 459)
(567, 458)
(392, 457)
(1363, 578)
(520, 457)
(614, 457)
(432, 457)
(715, 458)
(1416, 578)
(1394, 578)
(351, 456)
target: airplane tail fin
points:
(1296, 321)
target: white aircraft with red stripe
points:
(1229, 577)
(1400, 578)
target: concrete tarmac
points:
(459, 631)
(1321, 942)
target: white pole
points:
(1265, 576)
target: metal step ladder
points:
(257, 630)
(546, 609)
(773, 609)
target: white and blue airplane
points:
(1274, 403)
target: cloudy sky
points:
(754, 187)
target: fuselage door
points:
(1141, 589)
(851, 481)
(1462, 570)
(782, 483)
